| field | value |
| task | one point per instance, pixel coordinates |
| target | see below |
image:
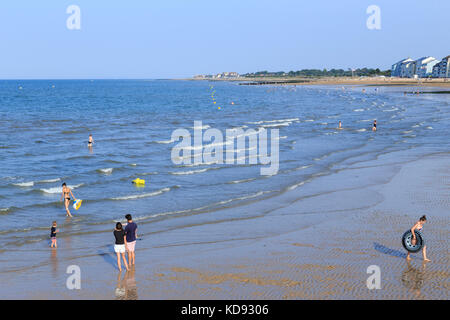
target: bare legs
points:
(124, 261)
(131, 257)
(424, 253)
(67, 202)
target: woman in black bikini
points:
(374, 128)
(66, 193)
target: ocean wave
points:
(59, 189)
(189, 172)
(165, 141)
(24, 184)
(203, 127)
(144, 195)
(390, 110)
(241, 181)
(106, 170)
(274, 121)
(276, 125)
(260, 193)
(49, 180)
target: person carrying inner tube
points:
(418, 227)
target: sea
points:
(45, 125)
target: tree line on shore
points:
(360, 72)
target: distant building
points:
(424, 66)
(396, 69)
(442, 68)
(227, 75)
(408, 69)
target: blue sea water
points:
(44, 128)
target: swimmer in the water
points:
(90, 141)
(374, 128)
(418, 228)
(66, 193)
(340, 125)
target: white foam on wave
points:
(361, 130)
(276, 125)
(106, 170)
(189, 172)
(275, 121)
(391, 110)
(59, 189)
(49, 180)
(24, 184)
(430, 128)
(358, 110)
(143, 195)
(203, 127)
(241, 181)
(165, 141)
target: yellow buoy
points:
(139, 181)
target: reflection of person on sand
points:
(413, 278)
(126, 288)
(66, 193)
(418, 227)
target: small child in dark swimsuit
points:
(53, 232)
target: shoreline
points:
(370, 81)
(306, 262)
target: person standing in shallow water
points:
(418, 228)
(66, 193)
(374, 128)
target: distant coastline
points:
(363, 81)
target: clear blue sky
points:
(180, 38)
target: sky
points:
(156, 39)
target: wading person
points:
(66, 193)
(418, 227)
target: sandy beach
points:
(333, 238)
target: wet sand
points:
(324, 252)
